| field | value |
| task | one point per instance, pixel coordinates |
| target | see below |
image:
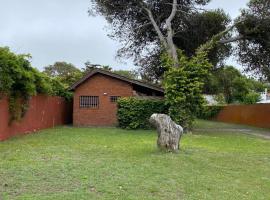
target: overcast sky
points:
(61, 30)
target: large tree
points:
(90, 66)
(66, 73)
(158, 22)
(141, 25)
(198, 29)
(233, 85)
(253, 47)
(146, 27)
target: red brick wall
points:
(253, 115)
(105, 115)
(44, 112)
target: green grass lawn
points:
(107, 163)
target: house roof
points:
(117, 76)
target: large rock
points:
(169, 133)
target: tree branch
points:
(217, 39)
(154, 23)
(172, 15)
(167, 41)
(230, 40)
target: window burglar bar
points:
(89, 101)
(114, 98)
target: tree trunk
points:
(171, 46)
(169, 133)
(167, 42)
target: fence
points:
(44, 112)
(253, 115)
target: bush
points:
(134, 113)
(251, 98)
(209, 112)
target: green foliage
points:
(134, 113)
(257, 86)
(220, 99)
(15, 73)
(232, 84)
(211, 84)
(19, 80)
(59, 89)
(183, 87)
(254, 49)
(43, 83)
(66, 73)
(246, 90)
(191, 26)
(240, 89)
(226, 78)
(251, 98)
(209, 112)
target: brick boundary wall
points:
(254, 115)
(44, 112)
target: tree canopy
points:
(253, 48)
(141, 26)
(66, 73)
(235, 87)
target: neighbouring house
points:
(210, 99)
(265, 97)
(96, 94)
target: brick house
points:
(95, 97)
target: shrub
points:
(220, 99)
(134, 113)
(251, 98)
(209, 112)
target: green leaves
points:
(253, 50)
(183, 87)
(66, 73)
(134, 113)
(209, 112)
(19, 80)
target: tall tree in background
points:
(90, 66)
(234, 86)
(66, 73)
(198, 28)
(253, 41)
(145, 27)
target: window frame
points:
(114, 99)
(89, 102)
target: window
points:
(89, 101)
(114, 98)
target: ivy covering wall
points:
(19, 81)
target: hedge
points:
(210, 112)
(134, 113)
